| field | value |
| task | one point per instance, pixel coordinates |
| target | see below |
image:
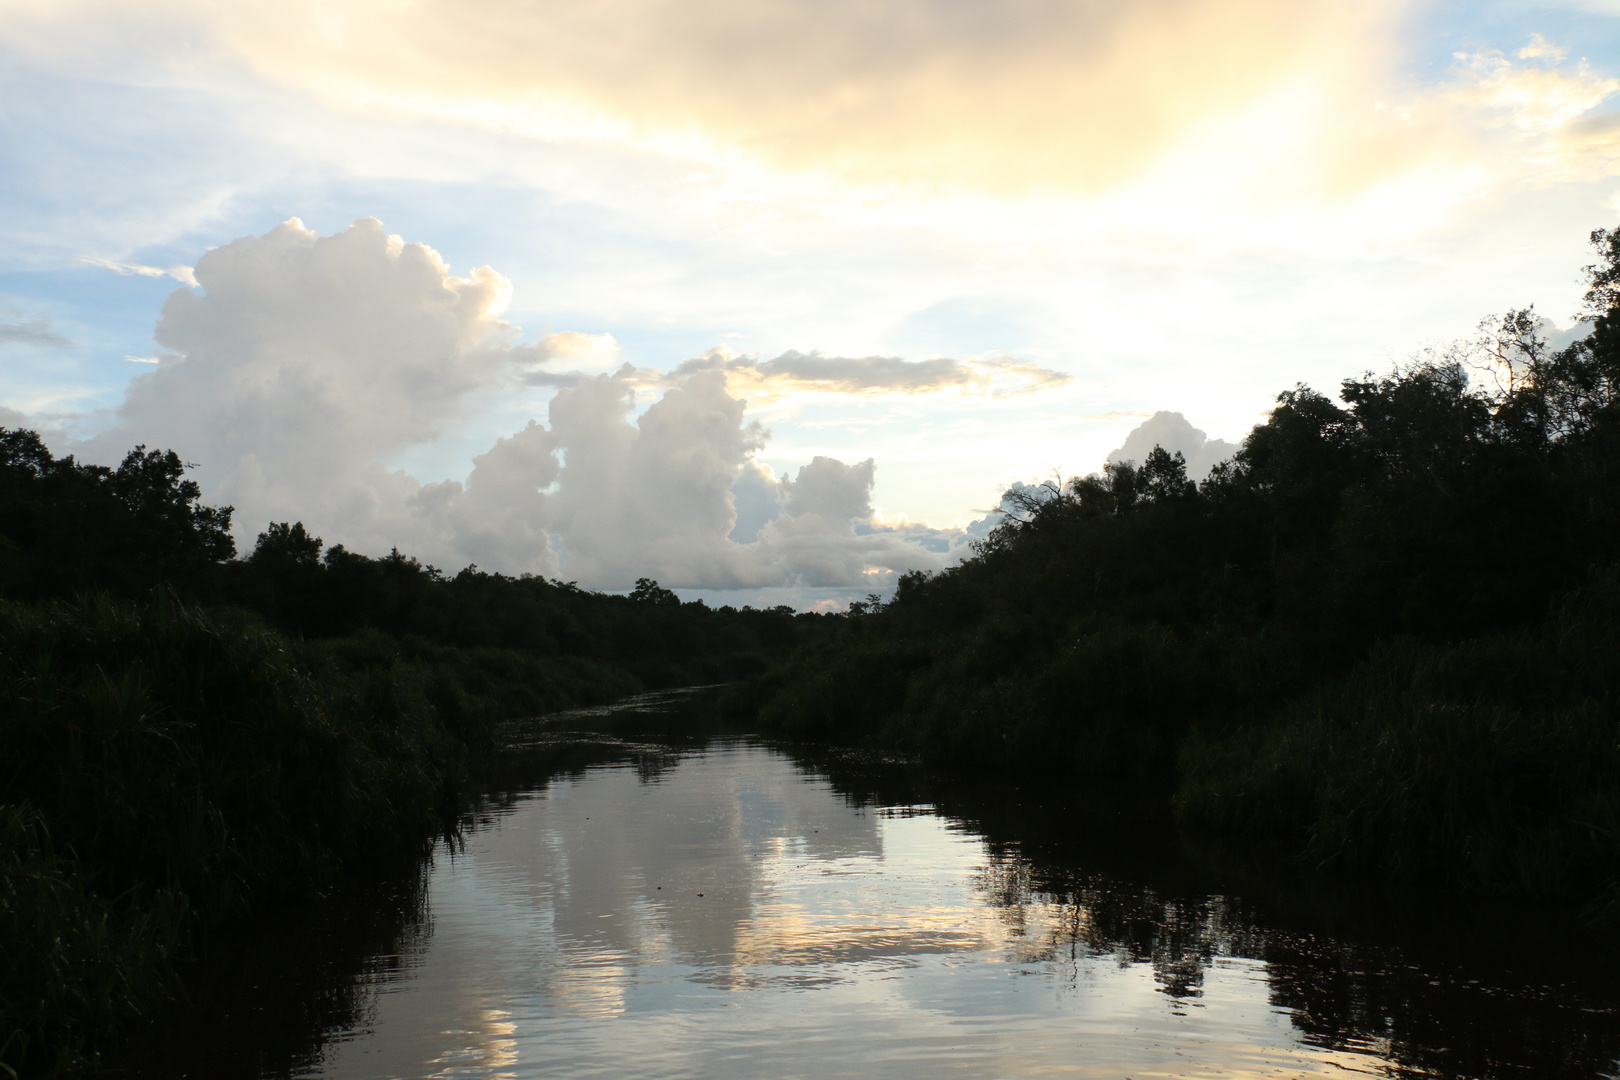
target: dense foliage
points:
(67, 528)
(187, 737)
(163, 769)
(1492, 761)
(1109, 618)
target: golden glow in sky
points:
(972, 242)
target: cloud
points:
(1135, 129)
(826, 534)
(798, 372)
(1172, 431)
(1541, 48)
(652, 498)
(1016, 96)
(1545, 108)
(31, 330)
(182, 274)
(11, 418)
(569, 350)
(756, 497)
(305, 361)
(675, 494)
(831, 491)
(1531, 98)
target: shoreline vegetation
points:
(188, 739)
(1383, 639)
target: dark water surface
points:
(638, 899)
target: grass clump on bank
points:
(165, 769)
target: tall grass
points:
(164, 769)
(1492, 764)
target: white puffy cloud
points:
(1172, 431)
(310, 352)
(497, 519)
(303, 362)
(830, 490)
(652, 498)
(660, 496)
(828, 535)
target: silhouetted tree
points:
(648, 591)
(66, 526)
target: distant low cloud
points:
(1172, 431)
(827, 535)
(182, 274)
(868, 375)
(32, 330)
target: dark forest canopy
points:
(1456, 494)
(68, 528)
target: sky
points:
(768, 301)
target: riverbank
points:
(168, 769)
(1489, 765)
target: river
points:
(637, 897)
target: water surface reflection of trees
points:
(1467, 993)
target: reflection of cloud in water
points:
(673, 868)
(727, 916)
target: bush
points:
(1491, 764)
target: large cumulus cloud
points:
(300, 363)
(303, 362)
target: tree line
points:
(1410, 584)
(68, 528)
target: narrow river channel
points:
(637, 900)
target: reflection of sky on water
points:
(731, 917)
